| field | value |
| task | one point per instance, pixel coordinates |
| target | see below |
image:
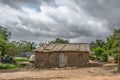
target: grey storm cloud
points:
(103, 9)
(17, 4)
(44, 20)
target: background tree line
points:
(15, 47)
(102, 49)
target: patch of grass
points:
(20, 59)
(9, 66)
(31, 66)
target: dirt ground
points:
(106, 72)
(96, 73)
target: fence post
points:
(0, 57)
(118, 61)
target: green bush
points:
(100, 54)
(104, 57)
(115, 56)
(9, 66)
(20, 59)
(30, 66)
(92, 56)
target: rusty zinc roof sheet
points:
(83, 47)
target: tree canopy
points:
(4, 36)
(60, 40)
(113, 41)
(110, 47)
(13, 48)
(4, 33)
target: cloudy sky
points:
(45, 20)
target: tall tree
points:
(97, 44)
(4, 33)
(4, 36)
(113, 41)
(98, 47)
(116, 45)
(12, 49)
(3, 45)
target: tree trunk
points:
(119, 61)
(0, 57)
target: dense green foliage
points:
(3, 44)
(103, 49)
(13, 48)
(20, 59)
(4, 36)
(99, 51)
(113, 42)
(98, 43)
(9, 66)
(4, 33)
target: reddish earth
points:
(96, 71)
(93, 73)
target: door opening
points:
(61, 60)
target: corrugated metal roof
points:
(83, 47)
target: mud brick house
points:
(62, 55)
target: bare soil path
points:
(94, 73)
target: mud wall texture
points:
(51, 59)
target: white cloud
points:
(66, 19)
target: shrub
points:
(20, 59)
(115, 56)
(9, 66)
(104, 57)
